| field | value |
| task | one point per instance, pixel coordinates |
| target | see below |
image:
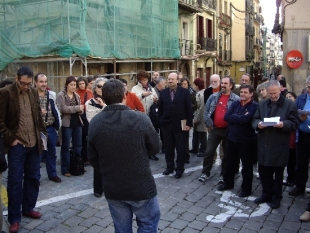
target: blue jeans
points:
(24, 165)
(50, 154)
(147, 215)
(67, 134)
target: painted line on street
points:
(90, 191)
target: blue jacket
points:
(301, 101)
(239, 120)
(212, 103)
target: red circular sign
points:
(294, 59)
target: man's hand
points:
(260, 126)
(279, 125)
(15, 142)
(303, 117)
(187, 128)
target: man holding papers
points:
(273, 141)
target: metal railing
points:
(207, 3)
(186, 47)
(225, 55)
(249, 29)
(206, 43)
(190, 2)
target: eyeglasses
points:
(99, 86)
(24, 84)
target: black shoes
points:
(200, 154)
(296, 191)
(288, 183)
(223, 187)
(275, 204)
(155, 158)
(192, 151)
(97, 195)
(167, 172)
(186, 160)
(177, 176)
(243, 194)
(261, 200)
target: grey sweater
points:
(120, 141)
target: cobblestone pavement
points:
(187, 205)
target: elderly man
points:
(21, 126)
(215, 86)
(273, 142)
(176, 119)
(216, 107)
(119, 144)
(160, 85)
(246, 79)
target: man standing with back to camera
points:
(21, 124)
(120, 141)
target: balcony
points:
(190, 6)
(225, 55)
(249, 54)
(186, 47)
(207, 43)
(224, 21)
(258, 19)
(207, 3)
(249, 29)
(257, 42)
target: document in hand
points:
(183, 124)
(44, 140)
(271, 121)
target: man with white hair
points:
(214, 87)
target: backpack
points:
(76, 164)
(153, 114)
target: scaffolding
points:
(104, 29)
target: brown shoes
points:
(33, 214)
(305, 217)
(14, 227)
(56, 179)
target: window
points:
(225, 7)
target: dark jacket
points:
(3, 163)
(10, 114)
(207, 93)
(172, 112)
(274, 143)
(120, 141)
(239, 120)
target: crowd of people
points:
(268, 126)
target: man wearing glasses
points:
(21, 125)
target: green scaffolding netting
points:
(122, 29)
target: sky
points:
(269, 11)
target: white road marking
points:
(90, 191)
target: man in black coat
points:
(273, 142)
(120, 141)
(175, 108)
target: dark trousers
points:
(215, 137)
(272, 188)
(158, 130)
(244, 151)
(187, 155)
(84, 139)
(199, 138)
(97, 182)
(291, 165)
(302, 160)
(174, 140)
(23, 180)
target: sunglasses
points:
(99, 86)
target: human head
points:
(262, 90)
(282, 83)
(90, 81)
(5, 82)
(96, 76)
(180, 76)
(97, 86)
(40, 81)
(143, 77)
(160, 83)
(185, 82)
(291, 95)
(246, 92)
(172, 80)
(113, 92)
(281, 77)
(273, 88)
(24, 78)
(308, 84)
(200, 84)
(155, 75)
(70, 85)
(264, 79)
(81, 83)
(227, 85)
(245, 79)
(215, 81)
(124, 81)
